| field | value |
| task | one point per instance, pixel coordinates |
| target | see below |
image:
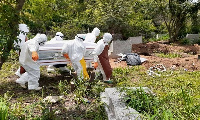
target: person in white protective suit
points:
(74, 51)
(24, 29)
(59, 37)
(101, 58)
(28, 58)
(91, 37)
(22, 38)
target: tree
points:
(119, 16)
(195, 27)
(49, 16)
(174, 14)
(9, 17)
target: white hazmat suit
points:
(101, 59)
(91, 37)
(23, 28)
(59, 37)
(28, 58)
(75, 50)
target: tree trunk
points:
(2, 60)
(20, 4)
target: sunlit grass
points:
(177, 92)
(168, 55)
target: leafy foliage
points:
(9, 17)
(174, 14)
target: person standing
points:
(101, 58)
(27, 59)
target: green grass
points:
(168, 55)
(177, 95)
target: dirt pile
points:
(187, 60)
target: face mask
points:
(80, 38)
(42, 43)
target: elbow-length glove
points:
(35, 56)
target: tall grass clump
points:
(147, 104)
(3, 110)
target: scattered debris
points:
(155, 70)
(52, 99)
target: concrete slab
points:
(123, 46)
(116, 108)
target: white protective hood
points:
(96, 31)
(40, 38)
(107, 37)
(23, 27)
(91, 37)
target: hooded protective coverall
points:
(101, 58)
(23, 28)
(59, 37)
(75, 50)
(28, 58)
(91, 37)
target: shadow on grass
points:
(49, 84)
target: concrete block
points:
(123, 46)
(116, 108)
(193, 36)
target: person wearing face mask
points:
(28, 60)
(74, 51)
(101, 58)
(59, 37)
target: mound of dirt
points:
(187, 60)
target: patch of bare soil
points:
(188, 59)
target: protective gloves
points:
(95, 65)
(35, 56)
(66, 56)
